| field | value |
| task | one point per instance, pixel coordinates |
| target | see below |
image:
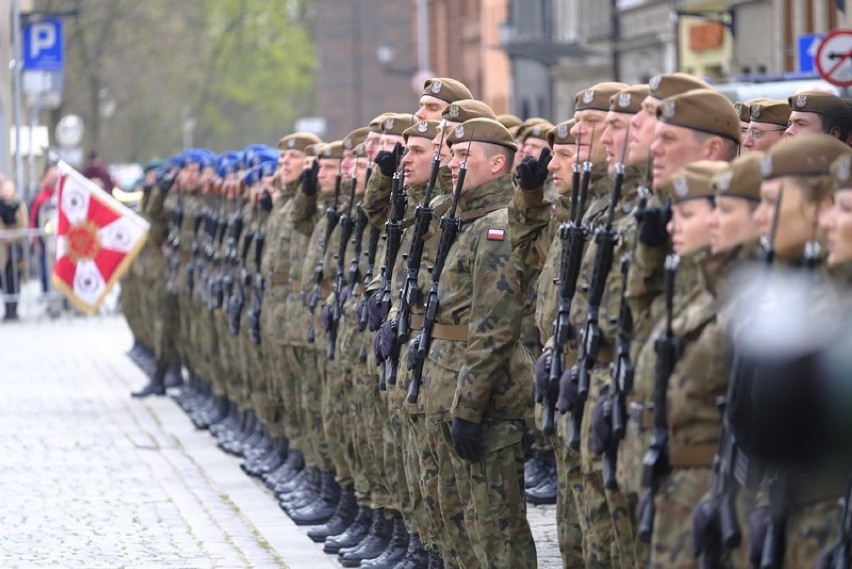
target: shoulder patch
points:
(496, 234)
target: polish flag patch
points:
(496, 234)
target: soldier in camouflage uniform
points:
(476, 376)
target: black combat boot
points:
(269, 462)
(545, 491)
(322, 509)
(372, 546)
(415, 556)
(535, 468)
(174, 375)
(305, 493)
(395, 550)
(344, 516)
(354, 534)
(155, 386)
(294, 484)
(294, 464)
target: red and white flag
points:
(97, 239)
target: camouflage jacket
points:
(480, 289)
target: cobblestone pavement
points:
(93, 478)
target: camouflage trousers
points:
(672, 543)
(372, 425)
(495, 513)
(335, 408)
(397, 456)
(451, 498)
(419, 461)
(810, 528)
(131, 301)
(292, 375)
(316, 448)
(569, 529)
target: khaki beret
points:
(446, 89)
(820, 103)
(741, 179)
(530, 124)
(482, 130)
(771, 111)
(597, 96)
(808, 154)
(703, 110)
(360, 150)
(466, 109)
(509, 120)
(561, 134)
(423, 129)
(668, 84)
(396, 123)
(376, 124)
(331, 150)
(356, 137)
(694, 180)
(313, 149)
(841, 172)
(743, 110)
(298, 141)
(629, 101)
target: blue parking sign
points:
(43, 46)
(808, 44)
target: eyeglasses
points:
(757, 133)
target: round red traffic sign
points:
(834, 58)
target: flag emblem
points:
(97, 239)
(496, 234)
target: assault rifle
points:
(450, 226)
(411, 295)
(655, 464)
(331, 216)
(572, 236)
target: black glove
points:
(254, 326)
(542, 376)
(413, 348)
(361, 313)
(601, 423)
(652, 231)
(308, 179)
(388, 162)
(705, 529)
(265, 201)
(374, 311)
(385, 340)
(467, 439)
(326, 318)
(532, 172)
(758, 522)
(646, 504)
(165, 180)
(312, 299)
(568, 387)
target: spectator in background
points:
(13, 215)
(97, 170)
(38, 208)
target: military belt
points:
(452, 333)
(819, 486)
(280, 278)
(642, 415)
(692, 456)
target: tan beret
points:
(741, 179)
(396, 123)
(743, 110)
(561, 133)
(466, 109)
(629, 101)
(446, 89)
(331, 150)
(313, 149)
(355, 137)
(703, 110)
(694, 180)
(376, 124)
(669, 84)
(509, 120)
(841, 172)
(423, 129)
(298, 141)
(771, 111)
(597, 97)
(808, 154)
(820, 103)
(531, 124)
(482, 130)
